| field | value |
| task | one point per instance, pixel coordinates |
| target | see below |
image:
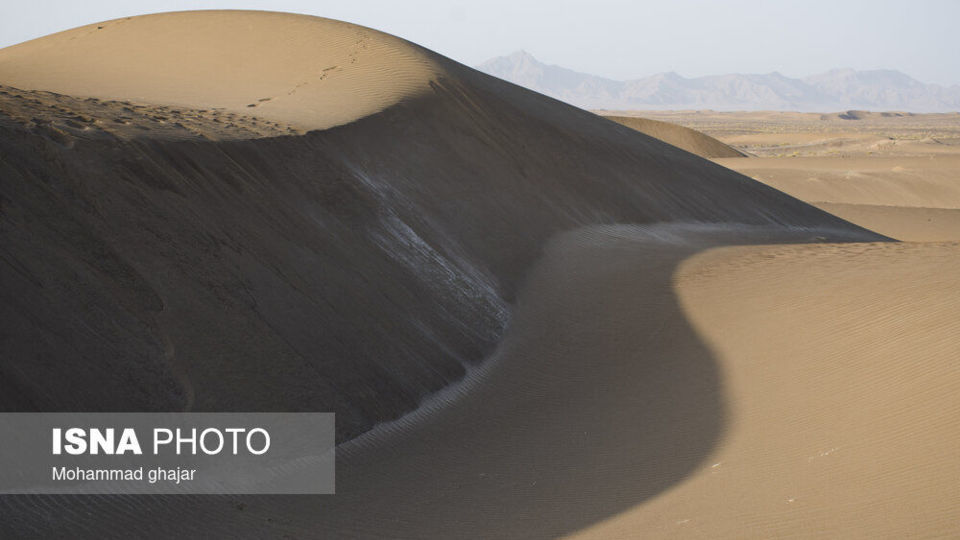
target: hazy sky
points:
(614, 38)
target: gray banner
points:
(167, 453)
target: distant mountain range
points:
(835, 90)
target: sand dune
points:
(654, 384)
(840, 394)
(688, 139)
(439, 263)
(355, 269)
(310, 72)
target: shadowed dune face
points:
(600, 397)
(248, 276)
(517, 454)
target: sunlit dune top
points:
(688, 139)
(305, 71)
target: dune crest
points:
(682, 137)
(840, 391)
(306, 71)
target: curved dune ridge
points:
(657, 381)
(355, 269)
(449, 234)
(309, 72)
(688, 139)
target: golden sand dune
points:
(839, 394)
(309, 72)
(688, 139)
(443, 270)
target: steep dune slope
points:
(355, 269)
(654, 385)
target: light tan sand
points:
(839, 372)
(895, 173)
(785, 134)
(906, 223)
(306, 71)
(908, 198)
(919, 182)
(688, 139)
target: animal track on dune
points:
(323, 75)
(297, 87)
(260, 101)
(65, 119)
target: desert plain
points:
(893, 172)
(531, 321)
